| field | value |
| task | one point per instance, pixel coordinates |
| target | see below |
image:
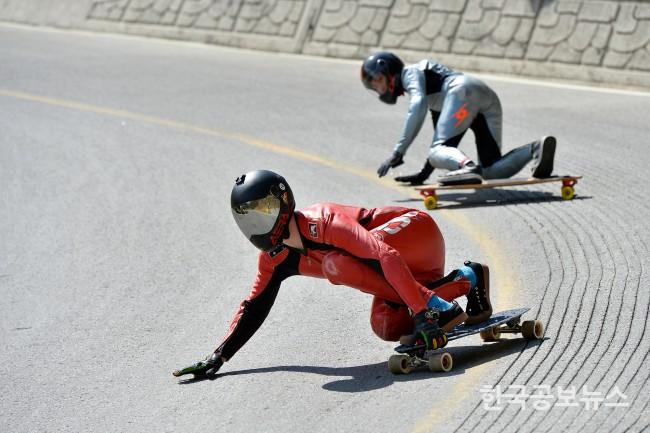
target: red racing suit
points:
(392, 253)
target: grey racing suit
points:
(457, 102)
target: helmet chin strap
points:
(286, 233)
(391, 83)
(393, 91)
(395, 86)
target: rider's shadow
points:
(359, 378)
(363, 378)
(467, 357)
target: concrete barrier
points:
(604, 42)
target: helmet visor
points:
(366, 79)
(257, 217)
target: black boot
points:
(426, 332)
(479, 307)
(417, 178)
(543, 154)
(451, 318)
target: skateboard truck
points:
(567, 188)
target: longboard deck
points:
(497, 319)
(429, 192)
(495, 183)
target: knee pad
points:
(457, 283)
(389, 321)
(332, 267)
(446, 157)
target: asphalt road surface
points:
(120, 261)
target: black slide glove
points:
(417, 178)
(213, 363)
(395, 159)
(207, 368)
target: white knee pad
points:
(449, 158)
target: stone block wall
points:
(601, 41)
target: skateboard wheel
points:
(441, 362)
(532, 330)
(568, 192)
(491, 334)
(431, 202)
(399, 364)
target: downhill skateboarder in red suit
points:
(393, 253)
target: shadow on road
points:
(467, 357)
(370, 377)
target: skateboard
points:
(431, 199)
(411, 357)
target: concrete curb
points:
(600, 42)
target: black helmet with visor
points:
(262, 204)
(387, 64)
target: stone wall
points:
(598, 41)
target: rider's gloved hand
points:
(207, 367)
(395, 159)
(417, 178)
(213, 364)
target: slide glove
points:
(206, 368)
(417, 178)
(213, 363)
(395, 159)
